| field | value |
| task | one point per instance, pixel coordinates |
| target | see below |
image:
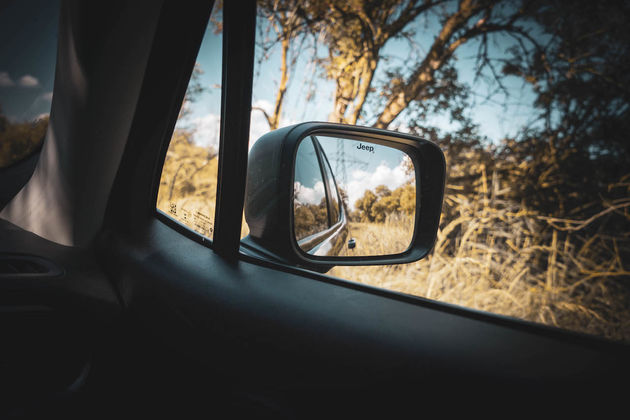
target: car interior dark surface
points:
(108, 309)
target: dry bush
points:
(20, 140)
(493, 255)
(391, 237)
(492, 252)
(188, 185)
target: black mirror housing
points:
(269, 194)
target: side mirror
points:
(321, 194)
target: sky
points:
(364, 166)
(28, 30)
(367, 165)
(497, 117)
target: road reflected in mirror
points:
(352, 198)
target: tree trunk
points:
(439, 54)
(274, 119)
(364, 89)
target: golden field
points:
(497, 258)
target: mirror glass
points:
(352, 197)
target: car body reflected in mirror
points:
(352, 197)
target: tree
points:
(378, 204)
(408, 199)
(383, 205)
(284, 19)
(357, 31)
(19, 140)
(309, 218)
(581, 78)
(364, 206)
(578, 68)
(193, 91)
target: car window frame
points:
(313, 241)
(324, 163)
(157, 159)
(324, 181)
(237, 67)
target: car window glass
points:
(309, 194)
(28, 30)
(188, 183)
(533, 124)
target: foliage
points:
(581, 77)
(309, 218)
(188, 184)
(284, 26)
(19, 140)
(375, 206)
(493, 255)
(536, 226)
(194, 90)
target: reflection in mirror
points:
(353, 198)
(309, 203)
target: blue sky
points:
(498, 116)
(27, 60)
(367, 165)
(28, 30)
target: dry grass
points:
(188, 185)
(491, 254)
(495, 257)
(369, 236)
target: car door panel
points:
(283, 328)
(51, 322)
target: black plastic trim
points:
(569, 336)
(236, 95)
(288, 326)
(179, 34)
(25, 266)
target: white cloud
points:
(207, 127)
(5, 79)
(28, 81)
(258, 125)
(207, 130)
(47, 96)
(306, 195)
(360, 180)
